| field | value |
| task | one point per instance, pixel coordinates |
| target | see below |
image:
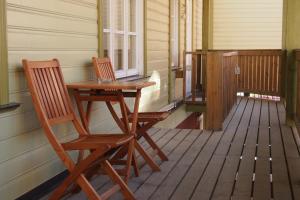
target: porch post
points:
(3, 55)
(207, 25)
(291, 41)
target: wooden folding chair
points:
(146, 120)
(53, 106)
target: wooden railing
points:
(260, 71)
(212, 79)
(230, 70)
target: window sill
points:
(176, 68)
(133, 78)
(9, 107)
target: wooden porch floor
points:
(256, 156)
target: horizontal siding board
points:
(21, 40)
(68, 58)
(48, 23)
(57, 8)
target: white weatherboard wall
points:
(247, 24)
(67, 30)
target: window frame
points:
(139, 34)
(4, 94)
(174, 32)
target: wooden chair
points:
(146, 120)
(53, 106)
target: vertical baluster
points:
(275, 69)
(250, 73)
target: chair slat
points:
(41, 85)
(50, 89)
(58, 77)
(49, 85)
(55, 92)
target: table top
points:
(115, 85)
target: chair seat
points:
(150, 116)
(97, 140)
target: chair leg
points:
(85, 186)
(135, 164)
(154, 146)
(129, 160)
(147, 158)
(122, 152)
(117, 179)
(76, 173)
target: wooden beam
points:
(291, 41)
(213, 117)
(207, 16)
(4, 96)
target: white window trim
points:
(139, 70)
(175, 33)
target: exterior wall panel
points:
(248, 24)
(67, 30)
(158, 46)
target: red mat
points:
(191, 122)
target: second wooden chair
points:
(146, 120)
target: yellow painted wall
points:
(158, 44)
(67, 30)
(247, 24)
(197, 24)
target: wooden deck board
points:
(280, 178)
(255, 156)
(228, 174)
(165, 188)
(243, 185)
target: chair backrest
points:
(104, 69)
(51, 101)
(49, 93)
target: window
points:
(122, 35)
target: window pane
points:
(132, 15)
(132, 52)
(119, 14)
(105, 14)
(106, 44)
(118, 52)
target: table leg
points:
(138, 147)
(82, 114)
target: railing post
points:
(283, 73)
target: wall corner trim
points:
(4, 97)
